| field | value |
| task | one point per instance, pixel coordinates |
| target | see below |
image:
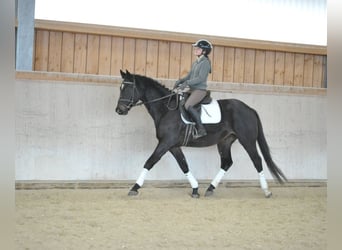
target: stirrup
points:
(199, 133)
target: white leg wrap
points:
(263, 182)
(192, 180)
(218, 178)
(142, 176)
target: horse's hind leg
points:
(180, 158)
(224, 149)
(255, 157)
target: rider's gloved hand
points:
(183, 85)
(177, 83)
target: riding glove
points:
(177, 83)
(183, 85)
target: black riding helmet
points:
(205, 45)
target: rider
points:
(196, 79)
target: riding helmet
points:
(204, 45)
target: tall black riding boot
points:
(199, 126)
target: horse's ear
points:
(122, 74)
(128, 73)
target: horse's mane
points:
(147, 81)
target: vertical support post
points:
(25, 34)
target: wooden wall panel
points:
(105, 55)
(163, 59)
(140, 56)
(42, 50)
(308, 70)
(175, 60)
(299, 69)
(80, 57)
(55, 51)
(68, 43)
(116, 56)
(249, 66)
(279, 68)
(152, 58)
(239, 65)
(92, 66)
(269, 67)
(289, 69)
(217, 63)
(129, 54)
(186, 59)
(318, 72)
(228, 69)
(260, 58)
(80, 49)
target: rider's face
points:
(198, 51)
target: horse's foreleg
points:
(194, 184)
(139, 182)
(160, 150)
(180, 158)
(226, 162)
(215, 182)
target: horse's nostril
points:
(121, 109)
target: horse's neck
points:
(156, 108)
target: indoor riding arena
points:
(76, 158)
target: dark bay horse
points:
(238, 121)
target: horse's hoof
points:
(268, 194)
(209, 193)
(210, 190)
(195, 195)
(133, 193)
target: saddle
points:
(208, 108)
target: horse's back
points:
(239, 115)
(235, 106)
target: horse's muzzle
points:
(122, 109)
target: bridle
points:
(130, 102)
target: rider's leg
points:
(195, 97)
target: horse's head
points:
(129, 94)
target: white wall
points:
(70, 131)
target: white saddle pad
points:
(210, 113)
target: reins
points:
(139, 103)
(159, 99)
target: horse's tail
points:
(274, 169)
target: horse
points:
(238, 122)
